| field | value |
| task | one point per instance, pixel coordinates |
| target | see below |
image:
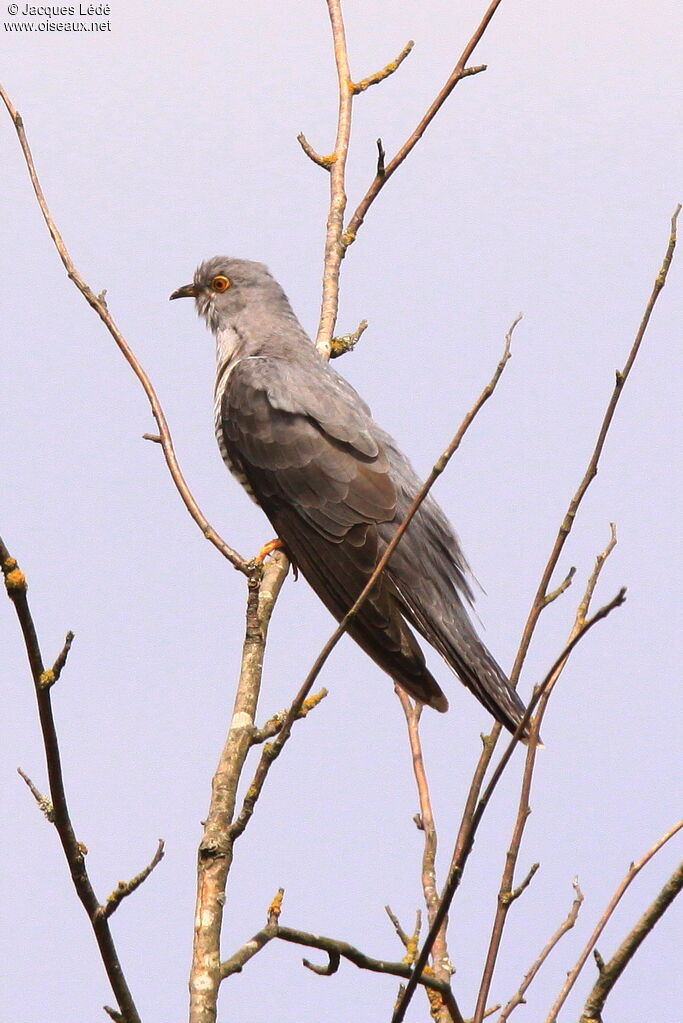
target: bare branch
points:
(512, 896)
(98, 303)
(524, 807)
(566, 925)
(49, 677)
(347, 342)
(216, 847)
(541, 598)
(380, 159)
(592, 468)
(74, 851)
(274, 724)
(632, 873)
(379, 76)
(470, 826)
(333, 947)
(564, 585)
(125, 888)
(441, 963)
(459, 72)
(402, 936)
(334, 249)
(44, 804)
(322, 161)
(611, 971)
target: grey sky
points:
(546, 185)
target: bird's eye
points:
(220, 283)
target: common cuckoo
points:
(336, 487)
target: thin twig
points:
(466, 836)
(216, 847)
(347, 342)
(44, 804)
(632, 873)
(566, 925)
(74, 851)
(524, 806)
(126, 888)
(562, 588)
(381, 155)
(98, 303)
(402, 936)
(322, 161)
(379, 76)
(273, 750)
(612, 970)
(440, 959)
(513, 895)
(49, 677)
(592, 468)
(274, 723)
(489, 1012)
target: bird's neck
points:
(230, 345)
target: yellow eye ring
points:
(220, 283)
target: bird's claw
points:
(268, 548)
(256, 564)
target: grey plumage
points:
(335, 487)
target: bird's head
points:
(223, 287)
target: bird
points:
(336, 487)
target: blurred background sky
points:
(546, 185)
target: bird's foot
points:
(268, 548)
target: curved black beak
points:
(187, 291)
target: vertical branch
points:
(441, 964)
(334, 247)
(216, 847)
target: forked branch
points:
(337, 237)
(631, 874)
(524, 806)
(467, 833)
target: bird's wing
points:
(303, 441)
(309, 450)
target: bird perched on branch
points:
(336, 487)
